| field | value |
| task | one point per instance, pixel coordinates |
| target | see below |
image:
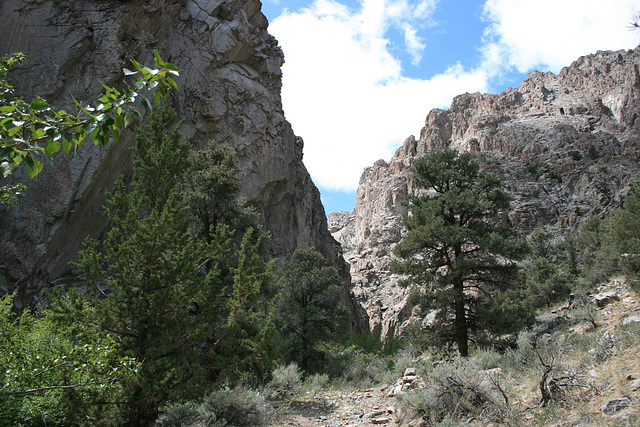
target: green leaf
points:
(8, 168)
(128, 72)
(52, 147)
(39, 105)
(150, 71)
(66, 144)
(14, 130)
(136, 64)
(89, 127)
(119, 122)
(172, 83)
(157, 97)
(116, 134)
(159, 61)
(146, 104)
(171, 67)
(35, 168)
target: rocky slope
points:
(565, 145)
(229, 90)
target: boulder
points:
(615, 405)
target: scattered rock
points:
(410, 371)
(604, 298)
(410, 380)
(616, 405)
(630, 320)
(578, 301)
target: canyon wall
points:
(229, 91)
(566, 147)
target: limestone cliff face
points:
(565, 145)
(229, 90)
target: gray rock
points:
(631, 320)
(604, 298)
(410, 372)
(565, 145)
(229, 91)
(615, 405)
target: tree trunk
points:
(461, 320)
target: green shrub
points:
(486, 359)
(239, 407)
(286, 380)
(575, 155)
(236, 407)
(317, 382)
(458, 390)
(629, 335)
(185, 414)
(357, 368)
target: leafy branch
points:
(32, 130)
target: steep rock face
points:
(229, 91)
(565, 145)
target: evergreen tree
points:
(627, 234)
(594, 250)
(308, 308)
(175, 301)
(248, 341)
(144, 276)
(455, 251)
(210, 189)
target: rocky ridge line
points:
(565, 145)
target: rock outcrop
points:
(565, 145)
(229, 91)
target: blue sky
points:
(360, 76)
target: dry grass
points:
(612, 376)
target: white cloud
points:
(550, 34)
(344, 92)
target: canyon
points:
(566, 147)
(229, 91)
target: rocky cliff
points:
(229, 90)
(566, 146)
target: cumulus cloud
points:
(550, 34)
(344, 92)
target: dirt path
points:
(341, 409)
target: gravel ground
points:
(341, 409)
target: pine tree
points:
(248, 341)
(626, 231)
(144, 275)
(308, 308)
(455, 251)
(188, 303)
(210, 189)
